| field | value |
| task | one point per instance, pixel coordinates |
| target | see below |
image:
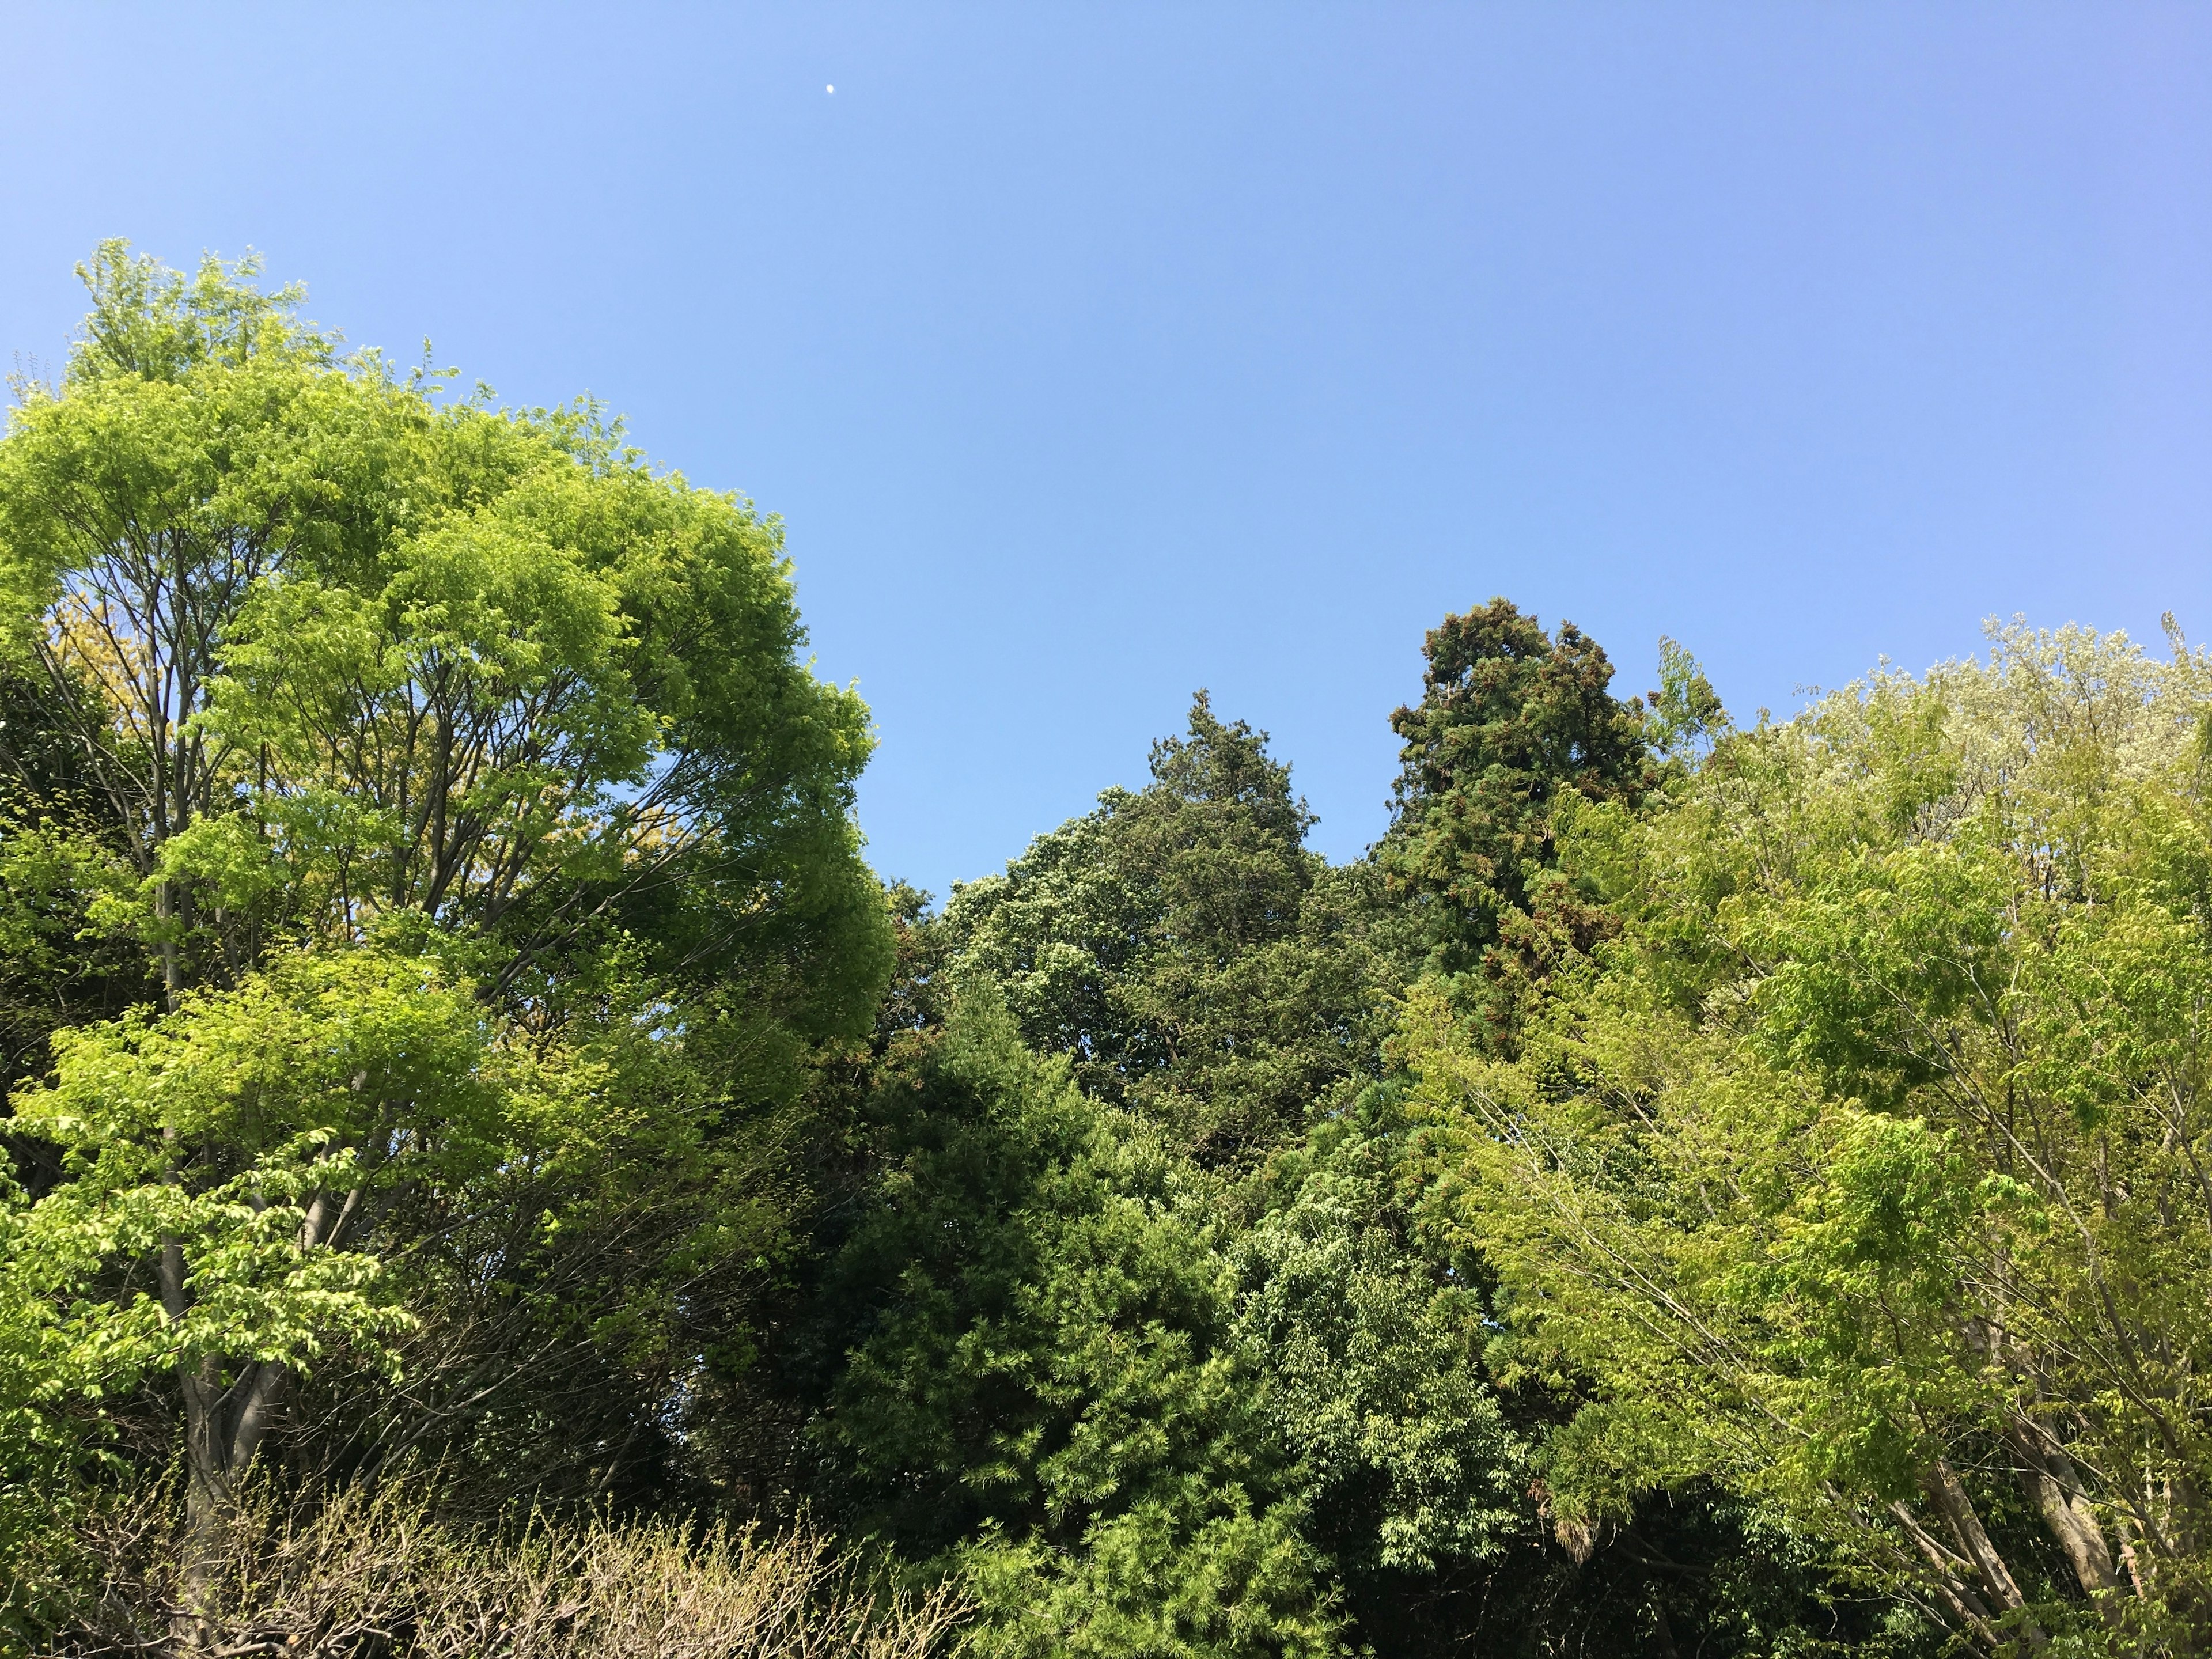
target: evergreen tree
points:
(1042, 1385)
(1512, 724)
(1181, 945)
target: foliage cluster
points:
(431, 869)
(1868, 1176)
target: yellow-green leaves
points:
(156, 324)
(430, 656)
(445, 789)
(1871, 1178)
(345, 1043)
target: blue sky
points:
(1093, 354)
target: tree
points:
(1413, 1480)
(1156, 945)
(1511, 725)
(1867, 1179)
(1042, 1385)
(1182, 946)
(391, 717)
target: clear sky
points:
(1096, 352)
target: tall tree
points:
(1186, 952)
(1512, 724)
(394, 713)
(1868, 1178)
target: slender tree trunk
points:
(207, 1486)
(224, 1426)
(1952, 1574)
(199, 1382)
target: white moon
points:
(828, 88)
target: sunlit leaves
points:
(1877, 1150)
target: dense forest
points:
(491, 1170)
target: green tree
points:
(1042, 1383)
(1511, 725)
(1413, 1480)
(1867, 1178)
(994, 1318)
(386, 707)
(1181, 945)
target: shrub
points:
(377, 1574)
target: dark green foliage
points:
(1370, 1349)
(1106, 1361)
(1045, 1386)
(1510, 725)
(1187, 952)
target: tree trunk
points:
(1957, 1509)
(1951, 1580)
(2055, 1485)
(224, 1426)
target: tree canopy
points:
(484, 1152)
(446, 780)
(1868, 1180)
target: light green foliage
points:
(225, 1131)
(1868, 1178)
(444, 785)
(347, 648)
(259, 1129)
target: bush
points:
(377, 1575)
